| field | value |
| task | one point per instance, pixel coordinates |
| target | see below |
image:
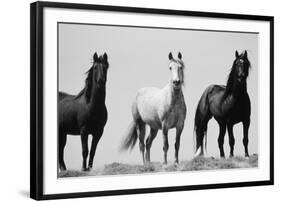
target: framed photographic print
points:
(138, 100)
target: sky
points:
(138, 57)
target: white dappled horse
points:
(160, 109)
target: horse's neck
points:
(173, 95)
(97, 97)
(237, 92)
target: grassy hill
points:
(199, 163)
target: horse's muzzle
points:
(177, 82)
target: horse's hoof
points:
(199, 152)
(62, 169)
(85, 169)
(231, 156)
(147, 163)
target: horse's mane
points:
(231, 76)
(183, 72)
(88, 85)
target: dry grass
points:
(199, 163)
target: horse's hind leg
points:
(149, 141)
(199, 142)
(141, 134)
(96, 137)
(221, 138)
(246, 125)
(231, 138)
(201, 133)
(62, 143)
(177, 143)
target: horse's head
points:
(241, 66)
(176, 67)
(100, 66)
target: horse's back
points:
(145, 106)
(67, 109)
(63, 95)
(154, 105)
(214, 94)
(147, 96)
(215, 89)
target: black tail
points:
(130, 138)
(202, 117)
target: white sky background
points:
(138, 57)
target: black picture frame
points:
(37, 99)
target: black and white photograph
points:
(136, 100)
(129, 100)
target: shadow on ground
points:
(198, 163)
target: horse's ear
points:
(245, 54)
(179, 55)
(95, 57)
(236, 54)
(170, 56)
(105, 57)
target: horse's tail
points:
(130, 138)
(202, 117)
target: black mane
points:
(231, 76)
(88, 85)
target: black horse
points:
(228, 104)
(85, 113)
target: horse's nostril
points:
(176, 82)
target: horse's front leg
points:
(165, 144)
(96, 137)
(177, 143)
(221, 138)
(246, 125)
(85, 150)
(231, 138)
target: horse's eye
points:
(170, 68)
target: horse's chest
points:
(172, 119)
(173, 116)
(94, 119)
(238, 113)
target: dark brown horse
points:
(228, 104)
(85, 113)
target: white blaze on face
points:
(177, 71)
